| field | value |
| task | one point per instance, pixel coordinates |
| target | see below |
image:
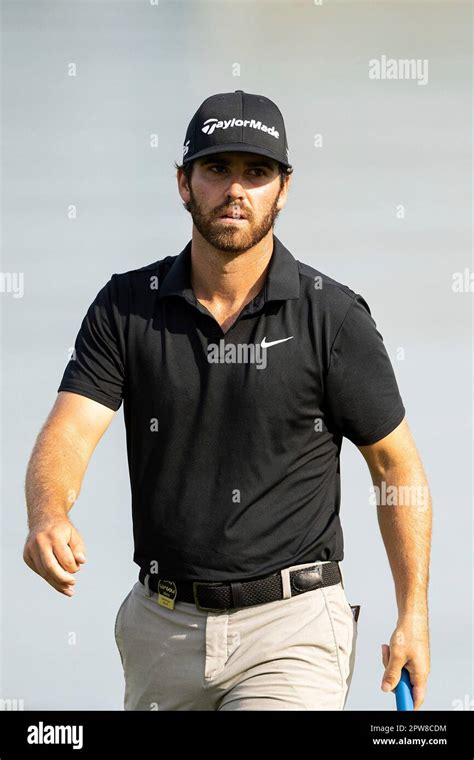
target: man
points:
(241, 369)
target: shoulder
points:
(329, 297)
(142, 273)
(133, 282)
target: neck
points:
(228, 278)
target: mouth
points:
(235, 215)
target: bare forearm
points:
(404, 513)
(54, 475)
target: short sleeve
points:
(97, 367)
(362, 394)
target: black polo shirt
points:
(233, 448)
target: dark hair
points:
(188, 170)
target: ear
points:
(183, 187)
(281, 203)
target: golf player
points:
(241, 370)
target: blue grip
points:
(404, 692)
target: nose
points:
(235, 189)
(235, 192)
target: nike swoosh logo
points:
(264, 343)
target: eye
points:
(261, 172)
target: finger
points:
(33, 559)
(64, 556)
(39, 567)
(418, 696)
(393, 672)
(53, 570)
(385, 654)
(77, 547)
(418, 679)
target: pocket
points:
(355, 609)
(344, 630)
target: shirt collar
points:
(282, 281)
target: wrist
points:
(41, 521)
(413, 612)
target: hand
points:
(409, 647)
(54, 549)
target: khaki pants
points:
(296, 653)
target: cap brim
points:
(238, 147)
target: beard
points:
(231, 238)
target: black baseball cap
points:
(237, 121)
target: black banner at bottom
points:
(378, 734)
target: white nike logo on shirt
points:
(264, 344)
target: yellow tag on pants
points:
(167, 593)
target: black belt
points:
(215, 596)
